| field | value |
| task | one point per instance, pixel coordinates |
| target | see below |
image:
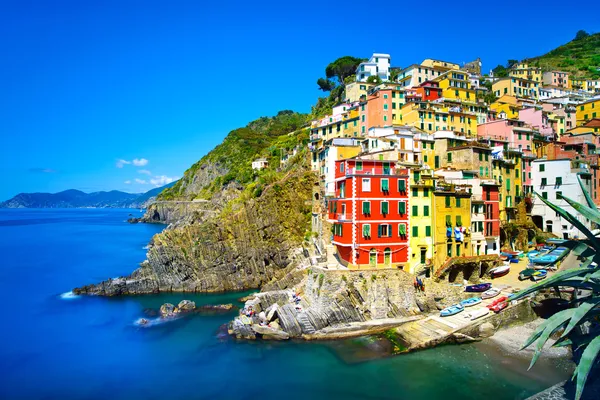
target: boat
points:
(514, 260)
(539, 275)
(551, 257)
(500, 271)
(480, 287)
(526, 274)
(470, 302)
(499, 300)
(452, 310)
(555, 241)
(498, 307)
(488, 294)
(478, 313)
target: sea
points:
(54, 345)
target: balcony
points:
(342, 217)
(370, 171)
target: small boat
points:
(478, 313)
(488, 294)
(504, 258)
(470, 302)
(551, 257)
(539, 275)
(499, 307)
(526, 274)
(480, 287)
(499, 300)
(500, 271)
(452, 310)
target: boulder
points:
(246, 298)
(270, 333)
(272, 312)
(275, 325)
(186, 305)
(216, 307)
(486, 330)
(167, 310)
(262, 316)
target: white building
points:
(378, 64)
(552, 179)
(259, 164)
(336, 149)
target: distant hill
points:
(78, 199)
(580, 57)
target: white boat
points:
(500, 271)
(480, 312)
(488, 294)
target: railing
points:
(341, 217)
(370, 171)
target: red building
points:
(370, 214)
(491, 200)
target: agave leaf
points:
(562, 342)
(595, 276)
(558, 279)
(589, 213)
(588, 198)
(585, 365)
(573, 220)
(554, 323)
(536, 334)
(580, 313)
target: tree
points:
(394, 73)
(581, 35)
(511, 63)
(374, 79)
(578, 325)
(342, 68)
(500, 71)
(325, 85)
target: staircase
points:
(305, 324)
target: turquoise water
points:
(90, 348)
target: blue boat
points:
(481, 287)
(452, 310)
(539, 275)
(551, 257)
(470, 302)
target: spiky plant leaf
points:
(558, 279)
(580, 313)
(588, 198)
(585, 365)
(536, 334)
(554, 323)
(562, 342)
(591, 214)
(573, 220)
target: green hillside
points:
(580, 57)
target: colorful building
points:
(506, 107)
(440, 116)
(455, 85)
(518, 87)
(370, 214)
(356, 91)
(378, 65)
(422, 185)
(526, 71)
(588, 110)
(557, 78)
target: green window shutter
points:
(426, 211)
(415, 211)
(390, 231)
(401, 207)
(335, 206)
(449, 157)
(448, 220)
(458, 202)
(378, 231)
(366, 230)
(558, 180)
(415, 231)
(428, 231)
(458, 220)
(425, 192)
(366, 207)
(385, 208)
(447, 201)
(385, 185)
(401, 185)
(402, 229)
(437, 161)
(415, 192)
(508, 184)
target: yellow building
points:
(433, 117)
(508, 105)
(526, 71)
(451, 213)
(588, 110)
(355, 90)
(427, 144)
(455, 85)
(518, 87)
(439, 64)
(343, 124)
(588, 85)
(507, 172)
(422, 185)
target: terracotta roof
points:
(593, 123)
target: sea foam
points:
(69, 295)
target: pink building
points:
(537, 119)
(556, 78)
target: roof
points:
(593, 123)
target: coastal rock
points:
(486, 330)
(216, 307)
(167, 310)
(186, 305)
(241, 330)
(272, 312)
(270, 333)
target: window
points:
(448, 220)
(558, 195)
(480, 156)
(415, 231)
(366, 207)
(366, 184)
(458, 250)
(428, 231)
(458, 202)
(384, 230)
(458, 220)
(385, 208)
(545, 195)
(426, 211)
(425, 192)
(401, 207)
(341, 167)
(449, 249)
(359, 166)
(367, 231)
(449, 157)
(417, 176)
(415, 211)
(342, 190)
(385, 96)
(402, 230)
(544, 181)
(558, 180)
(385, 185)
(415, 192)
(401, 185)
(542, 167)
(385, 106)
(437, 161)
(447, 201)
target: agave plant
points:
(580, 323)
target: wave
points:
(69, 295)
(149, 322)
(146, 247)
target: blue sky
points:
(158, 84)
